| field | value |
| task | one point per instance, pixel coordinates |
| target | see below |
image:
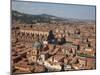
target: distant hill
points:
(43, 18)
(28, 18)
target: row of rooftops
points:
(54, 55)
(58, 57)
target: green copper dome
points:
(37, 45)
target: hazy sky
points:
(60, 10)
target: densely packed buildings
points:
(48, 47)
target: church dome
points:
(37, 45)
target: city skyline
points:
(65, 10)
